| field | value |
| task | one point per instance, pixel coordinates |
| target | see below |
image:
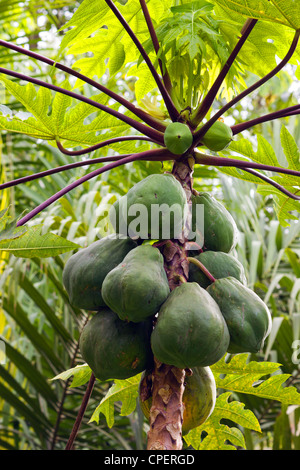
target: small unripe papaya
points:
(178, 138)
(218, 137)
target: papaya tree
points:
(165, 311)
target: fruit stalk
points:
(202, 267)
(167, 381)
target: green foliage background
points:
(258, 403)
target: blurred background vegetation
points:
(39, 327)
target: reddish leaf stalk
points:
(242, 164)
(148, 131)
(70, 166)
(282, 113)
(137, 111)
(81, 412)
(211, 95)
(273, 183)
(260, 82)
(99, 171)
(174, 114)
(164, 72)
(100, 145)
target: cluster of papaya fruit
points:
(137, 316)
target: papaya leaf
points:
(125, 391)
(258, 46)
(145, 82)
(194, 38)
(186, 26)
(81, 375)
(290, 149)
(220, 436)
(263, 154)
(111, 45)
(284, 206)
(33, 244)
(242, 149)
(38, 123)
(88, 18)
(284, 12)
(241, 376)
(8, 228)
(71, 123)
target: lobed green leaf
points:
(221, 436)
(241, 376)
(125, 391)
(33, 244)
(284, 12)
(80, 374)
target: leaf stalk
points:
(173, 112)
(273, 183)
(155, 135)
(242, 164)
(212, 93)
(137, 111)
(201, 266)
(164, 72)
(263, 80)
(83, 179)
(101, 144)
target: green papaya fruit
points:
(199, 398)
(218, 229)
(137, 287)
(155, 208)
(247, 317)
(218, 136)
(190, 329)
(219, 265)
(84, 272)
(115, 349)
(178, 138)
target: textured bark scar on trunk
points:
(167, 408)
(167, 381)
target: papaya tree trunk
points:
(166, 381)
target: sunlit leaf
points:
(33, 244)
(285, 12)
(242, 376)
(95, 28)
(66, 123)
(80, 374)
(125, 391)
(8, 228)
(220, 436)
(265, 154)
